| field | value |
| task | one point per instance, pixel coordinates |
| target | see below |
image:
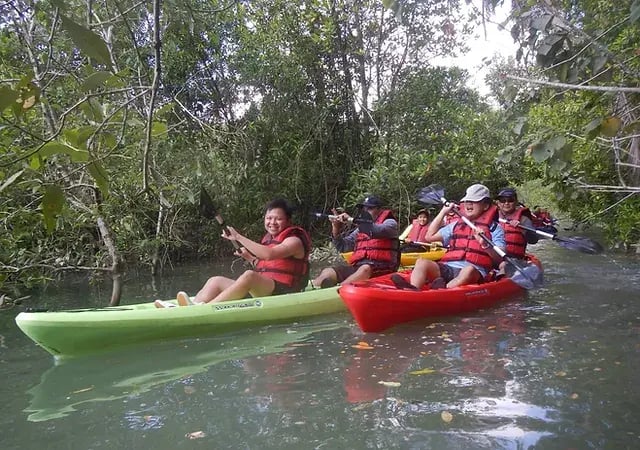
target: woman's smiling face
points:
(276, 221)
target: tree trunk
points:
(116, 274)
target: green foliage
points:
(581, 143)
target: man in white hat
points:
(468, 258)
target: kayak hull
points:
(377, 305)
(84, 331)
(409, 259)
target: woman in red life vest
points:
(469, 258)
(376, 248)
(415, 232)
(280, 260)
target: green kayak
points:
(84, 331)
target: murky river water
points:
(557, 369)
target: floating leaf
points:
(574, 396)
(389, 383)
(422, 372)
(446, 416)
(362, 346)
(195, 435)
(79, 391)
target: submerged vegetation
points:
(114, 114)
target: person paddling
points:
(375, 246)
(469, 258)
(280, 260)
(511, 215)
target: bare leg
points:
(212, 288)
(249, 282)
(363, 273)
(467, 275)
(327, 273)
(424, 270)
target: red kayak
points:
(377, 304)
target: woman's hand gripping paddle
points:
(209, 211)
(581, 244)
(434, 195)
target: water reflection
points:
(66, 386)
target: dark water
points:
(557, 369)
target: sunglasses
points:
(506, 199)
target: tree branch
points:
(575, 86)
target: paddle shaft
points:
(425, 244)
(335, 217)
(536, 231)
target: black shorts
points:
(344, 272)
(281, 288)
(448, 273)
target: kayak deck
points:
(409, 259)
(83, 331)
(377, 305)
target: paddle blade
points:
(207, 208)
(527, 276)
(581, 244)
(431, 195)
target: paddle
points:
(434, 195)
(430, 245)
(356, 220)
(209, 211)
(581, 244)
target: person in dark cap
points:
(375, 246)
(512, 214)
(469, 258)
(415, 232)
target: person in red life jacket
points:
(515, 214)
(376, 248)
(415, 232)
(280, 260)
(469, 258)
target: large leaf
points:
(9, 181)
(593, 128)
(53, 148)
(87, 41)
(7, 97)
(96, 80)
(610, 126)
(52, 204)
(100, 176)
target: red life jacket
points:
(463, 246)
(514, 236)
(292, 272)
(385, 251)
(418, 232)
